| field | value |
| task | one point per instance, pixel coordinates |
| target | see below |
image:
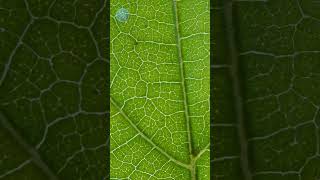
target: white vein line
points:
(202, 152)
(125, 143)
(146, 138)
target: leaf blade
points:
(152, 77)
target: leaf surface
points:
(271, 61)
(53, 85)
(160, 83)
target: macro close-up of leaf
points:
(53, 89)
(266, 82)
(159, 89)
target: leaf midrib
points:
(192, 157)
(237, 90)
(182, 74)
(184, 90)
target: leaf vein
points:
(146, 138)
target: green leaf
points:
(160, 85)
(53, 89)
(266, 90)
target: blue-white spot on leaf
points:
(122, 15)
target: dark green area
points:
(53, 89)
(278, 62)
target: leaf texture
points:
(160, 85)
(53, 85)
(266, 125)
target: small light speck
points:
(122, 15)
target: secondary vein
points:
(31, 151)
(146, 138)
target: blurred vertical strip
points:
(108, 94)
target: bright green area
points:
(53, 89)
(160, 83)
(279, 68)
